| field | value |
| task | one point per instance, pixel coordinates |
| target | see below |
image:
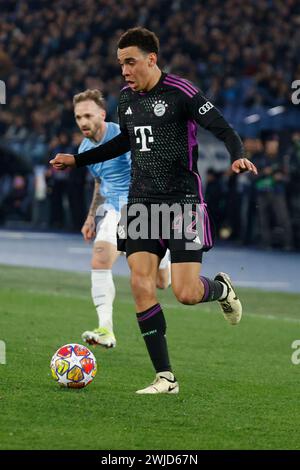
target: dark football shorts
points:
(186, 229)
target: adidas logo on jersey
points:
(129, 111)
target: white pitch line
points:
(263, 316)
(177, 306)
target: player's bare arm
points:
(89, 227)
(96, 200)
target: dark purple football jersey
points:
(160, 128)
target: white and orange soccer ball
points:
(73, 366)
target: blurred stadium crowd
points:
(243, 55)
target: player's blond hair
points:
(93, 95)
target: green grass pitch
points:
(238, 386)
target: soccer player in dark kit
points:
(158, 114)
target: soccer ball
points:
(73, 366)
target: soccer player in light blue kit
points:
(112, 180)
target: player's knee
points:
(141, 285)
(162, 282)
(101, 263)
(185, 295)
(101, 259)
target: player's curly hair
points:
(140, 37)
(93, 95)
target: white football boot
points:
(164, 382)
(101, 337)
(231, 305)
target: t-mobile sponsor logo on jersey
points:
(144, 137)
(206, 107)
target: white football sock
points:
(225, 291)
(103, 294)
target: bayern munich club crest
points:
(159, 108)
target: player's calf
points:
(187, 295)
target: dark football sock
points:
(213, 290)
(152, 324)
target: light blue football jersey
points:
(114, 174)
